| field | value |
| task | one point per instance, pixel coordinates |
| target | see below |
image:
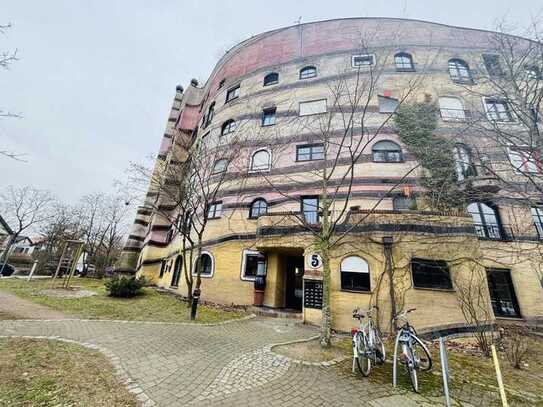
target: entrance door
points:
(502, 293)
(294, 282)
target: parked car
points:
(8, 270)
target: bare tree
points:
(6, 59)
(24, 208)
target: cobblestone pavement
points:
(223, 365)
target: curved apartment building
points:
(268, 97)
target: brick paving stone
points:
(223, 365)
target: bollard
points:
(194, 305)
(32, 270)
(499, 376)
(444, 370)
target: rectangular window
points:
(363, 60)
(502, 293)
(387, 104)
(430, 274)
(524, 161)
(253, 264)
(313, 107)
(268, 116)
(232, 94)
(310, 209)
(310, 152)
(215, 210)
(498, 110)
(493, 64)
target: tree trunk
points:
(326, 323)
(392, 293)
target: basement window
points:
(432, 274)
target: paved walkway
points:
(223, 365)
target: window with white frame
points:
(451, 108)
(207, 265)
(310, 152)
(486, 221)
(228, 127)
(524, 160)
(498, 110)
(387, 104)
(361, 61)
(268, 116)
(355, 274)
(258, 208)
(463, 162)
(260, 161)
(214, 210)
(233, 93)
(308, 72)
(404, 62)
(312, 107)
(459, 71)
(253, 263)
(386, 151)
(537, 216)
(220, 166)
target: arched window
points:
(177, 271)
(463, 162)
(260, 161)
(271, 79)
(451, 108)
(308, 72)
(210, 114)
(387, 152)
(459, 71)
(404, 62)
(220, 166)
(228, 127)
(207, 265)
(355, 274)
(486, 220)
(258, 207)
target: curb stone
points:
(327, 363)
(119, 372)
(120, 321)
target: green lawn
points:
(52, 373)
(151, 306)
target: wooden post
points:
(32, 270)
(499, 376)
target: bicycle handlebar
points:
(403, 313)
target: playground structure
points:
(71, 252)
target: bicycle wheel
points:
(379, 347)
(362, 361)
(411, 368)
(422, 355)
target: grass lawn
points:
(470, 374)
(151, 306)
(52, 373)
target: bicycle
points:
(411, 347)
(367, 343)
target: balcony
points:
(288, 225)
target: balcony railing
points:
(493, 232)
(455, 115)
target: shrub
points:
(125, 287)
(515, 343)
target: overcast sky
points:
(95, 79)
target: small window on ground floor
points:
(208, 265)
(355, 274)
(253, 264)
(431, 274)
